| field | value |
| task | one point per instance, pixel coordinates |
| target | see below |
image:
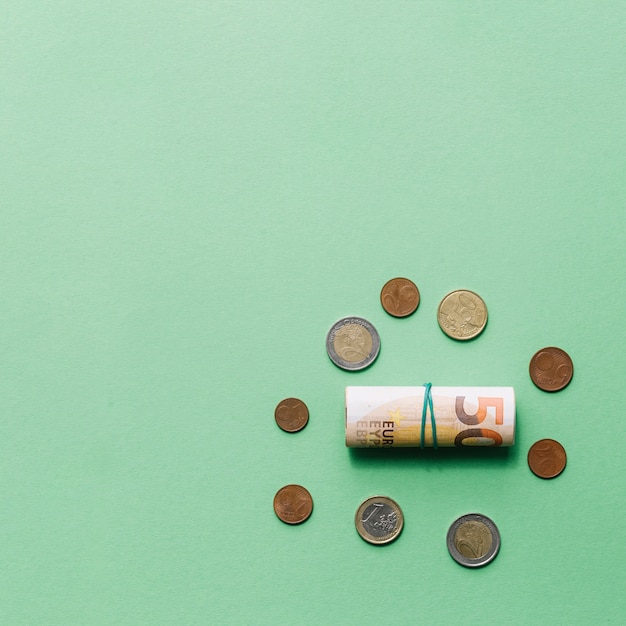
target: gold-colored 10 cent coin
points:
(291, 415)
(379, 520)
(400, 297)
(293, 504)
(462, 315)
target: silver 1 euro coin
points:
(473, 540)
(352, 343)
(379, 520)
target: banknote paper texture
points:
(378, 417)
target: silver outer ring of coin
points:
(469, 338)
(349, 365)
(370, 538)
(495, 540)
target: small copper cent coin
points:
(379, 520)
(462, 315)
(473, 540)
(551, 369)
(547, 458)
(352, 343)
(400, 297)
(293, 504)
(291, 415)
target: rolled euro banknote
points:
(379, 417)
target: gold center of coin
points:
(353, 343)
(473, 539)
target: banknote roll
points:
(380, 417)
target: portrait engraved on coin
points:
(353, 343)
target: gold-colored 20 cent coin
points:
(462, 315)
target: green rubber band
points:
(428, 403)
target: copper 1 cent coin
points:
(291, 415)
(400, 297)
(551, 369)
(293, 504)
(547, 458)
(462, 315)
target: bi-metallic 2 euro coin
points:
(462, 315)
(473, 540)
(379, 520)
(352, 343)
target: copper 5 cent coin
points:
(551, 369)
(400, 297)
(547, 458)
(293, 504)
(379, 520)
(462, 315)
(291, 415)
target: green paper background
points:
(192, 193)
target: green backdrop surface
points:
(192, 193)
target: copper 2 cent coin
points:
(551, 369)
(291, 415)
(293, 504)
(400, 297)
(547, 458)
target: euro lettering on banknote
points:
(380, 417)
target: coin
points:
(473, 540)
(379, 520)
(293, 504)
(400, 297)
(291, 415)
(547, 458)
(551, 369)
(352, 343)
(462, 315)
